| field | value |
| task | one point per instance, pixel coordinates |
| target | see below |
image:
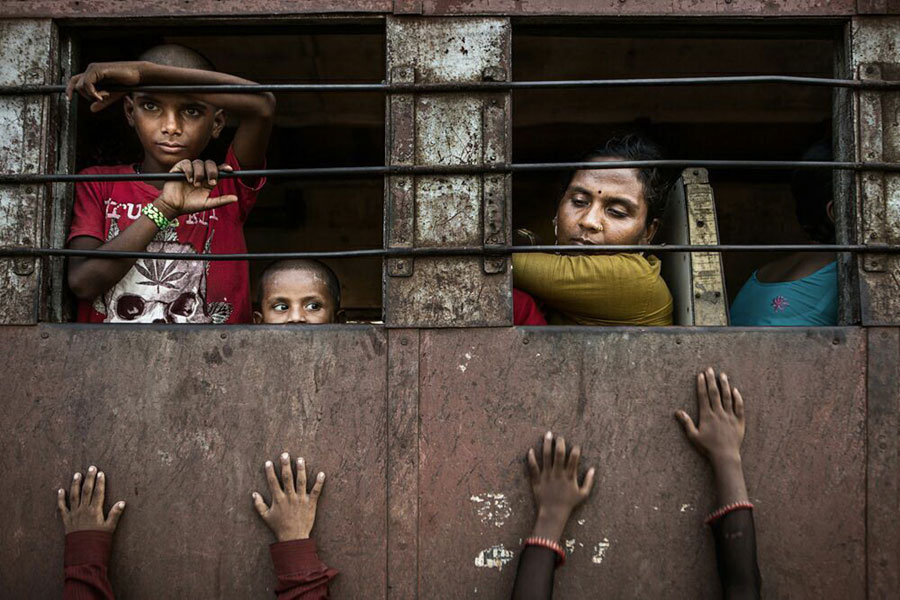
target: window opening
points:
(319, 129)
(732, 122)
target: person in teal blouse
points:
(800, 289)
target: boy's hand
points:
(192, 195)
(721, 419)
(116, 73)
(293, 511)
(555, 486)
(85, 510)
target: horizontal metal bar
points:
(376, 171)
(477, 86)
(20, 251)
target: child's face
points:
(172, 127)
(296, 296)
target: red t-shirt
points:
(525, 310)
(167, 291)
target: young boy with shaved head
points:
(299, 291)
(200, 214)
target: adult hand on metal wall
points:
(85, 509)
(555, 486)
(293, 511)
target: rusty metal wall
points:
(182, 420)
(718, 8)
(876, 55)
(26, 56)
(423, 435)
(457, 210)
(486, 396)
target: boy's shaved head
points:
(318, 269)
(176, 55)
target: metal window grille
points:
(389, 170)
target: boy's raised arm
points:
(256, 111)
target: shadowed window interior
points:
(311, 130)
(753, 122)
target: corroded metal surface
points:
(423, 434)
(876, 55)
(182, 421)
(883, 475)
(92, 8)
(708, 281)
(645, 7)
(434, 211)
(403, 463)
(486, 396)
(25, 57)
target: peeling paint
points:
(686, 507)
(570, 546)
(600, 549)
(492, 508)
(495, 557)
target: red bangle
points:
(721, 512)
(544, 542)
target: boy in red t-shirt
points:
(200, 215)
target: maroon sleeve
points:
(85, 566)
(245, 190)
(89, 212)
(525, 310)
(301, 575)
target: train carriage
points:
(413, 137)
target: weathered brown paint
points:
(875, 55)
(26, 48)
(411, 425)
(643, 7)
(243, 8)
(435, 211)
(182, 420)
(883, 464)
(486, 396)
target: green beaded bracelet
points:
(159, 219)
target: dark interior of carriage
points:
(311, 130)
(774, 122)
(763, 122)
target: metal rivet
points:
(718, 294)
(678, 341)
(404, 342)
(697, 295)
(45, 335)
(525, 340)
(835, 341)
(29, 189)
(224, 336)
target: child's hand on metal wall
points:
(555, 486)
(293, 511)
(85, 509)
(720, 426)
